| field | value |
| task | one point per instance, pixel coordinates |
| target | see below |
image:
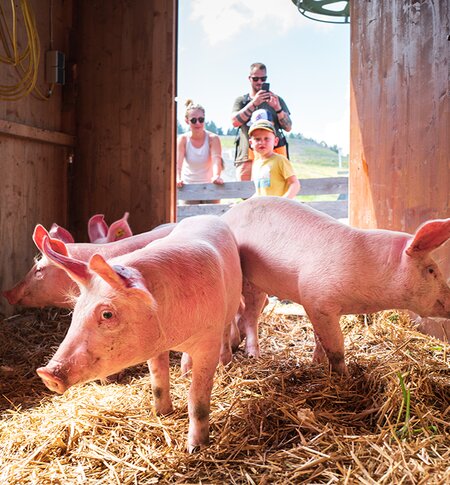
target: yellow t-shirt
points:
(270, 175)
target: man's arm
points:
(240, 116)
(282, 112)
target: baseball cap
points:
(262, 125)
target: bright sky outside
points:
(308, 63)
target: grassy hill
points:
(310, 159)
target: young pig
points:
(48, 285)
(296, 253)
(179, 293)
(99, 232)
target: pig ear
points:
(429, 236)
(77, 270)
(97, 227)
(119, 229)
(57, 245)
(58, 232)
(120, 277)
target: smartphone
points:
(265, 86)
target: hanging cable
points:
(25, 62)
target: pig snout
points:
(15, 294)
(52, 380)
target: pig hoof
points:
(253, 352)
(164, 411)
(194, 448)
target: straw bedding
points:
(278, 419)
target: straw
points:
(277, 419)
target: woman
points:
(199, 152)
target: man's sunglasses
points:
(194, 120)
(256, 78)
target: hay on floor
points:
(277, 419)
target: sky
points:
(308, 63)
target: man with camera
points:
(260, 103)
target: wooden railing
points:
(230, 191)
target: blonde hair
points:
(190, 106)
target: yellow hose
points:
(25, 64)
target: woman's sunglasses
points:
(256, 78)
(200, 120)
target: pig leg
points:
(319, 354)
(255, 300)
(160, 378)
(235, 335)
(328, 334)
(225, 350)
(203, 368)
(186, 363)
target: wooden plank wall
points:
(126, 65)
(35, 145)
(400, 125)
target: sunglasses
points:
(200, 120)
(256, 78)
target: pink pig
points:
(99, 232)
(296, 253)
(48, 285)
(180, 293)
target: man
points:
(269, 106)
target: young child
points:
(273, 174)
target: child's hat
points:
(262, 125)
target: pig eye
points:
(431, 270)
(107, 315)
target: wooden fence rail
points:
(337, 186)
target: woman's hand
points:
(217, 180)
(179, 183)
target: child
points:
(273, 174)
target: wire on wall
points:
(23, 61)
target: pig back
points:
(194, 272)
(279, 239)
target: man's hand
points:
(262, 97)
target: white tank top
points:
(197, 166)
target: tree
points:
(180, 129)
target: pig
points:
(296, 253)
(48, 285)
(437, 327)
(180, 293)
(99, 232)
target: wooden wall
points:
(126, 121)
(400, 122)
(35, 145)
(103, 143)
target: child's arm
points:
(293, 187)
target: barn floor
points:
(276, 420)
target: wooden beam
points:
(36, 134)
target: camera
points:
(265, 86)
